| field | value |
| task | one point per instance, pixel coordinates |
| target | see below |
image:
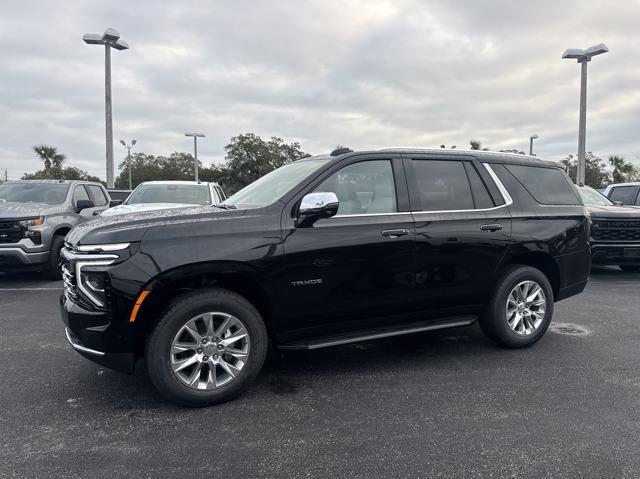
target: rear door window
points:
(481, 197)
(548, 186)
(443, 185)
(623, 194)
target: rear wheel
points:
(52, 269)
(208, 348)
(629, 268)
(521, 308)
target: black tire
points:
(629, 268)
(180, 311)
(52, 269)
(494, 320)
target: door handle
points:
(493, 227)
(395, 233)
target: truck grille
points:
(625, 231)
(10, 231)
(70, 286)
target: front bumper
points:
(92, 334)
(615, 254)
(17, 258)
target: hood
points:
(28, 210)
(614, 212)
(124, 209)
(131, 227)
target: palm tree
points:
(622, 171)
(50, 156)
(476, 145)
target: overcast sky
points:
(365, 74)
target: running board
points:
(369, 334)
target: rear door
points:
(348, 271)
(462, 231)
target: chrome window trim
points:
(503, 191)
(373, 214)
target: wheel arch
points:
(544, 262)
(237, 277)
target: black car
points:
(615, 231)
(325, 251)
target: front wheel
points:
(52, 269)
(208, 348)
(521, 307)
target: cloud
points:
(366, 74)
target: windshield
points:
(168, 193)
(49, 193)
(273, 186)
(591, 197)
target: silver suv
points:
(35, 216)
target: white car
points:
(162, 195)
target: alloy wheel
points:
(209, 350)
(526, 306)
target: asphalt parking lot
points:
(443, 404)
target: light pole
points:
(110, 39)
(531, 138)
(128, 147)
(195, 150)
(583, 57)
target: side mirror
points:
(618, 203)
(113, 203)
(315, 206)
(83, 205)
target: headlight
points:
(28, 223)
(93, 284)
(28, 226)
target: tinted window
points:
(481, 197)
(220, 193)
(97, 195)
(443, 185)
(363, 188)
(548, 186)
(622, 193)
(50, 193)
(638, 200)
(80, 194)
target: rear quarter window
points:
(548, 186)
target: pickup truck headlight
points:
(30, 231)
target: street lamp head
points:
(92, 38)
(120, 45)
(534, 137)
(111, 35)
(597, 50)
(585, 55)
(199, 135)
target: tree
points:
(249, 157)
(452, 147)
(623, 171)
(513, 150)
(67, 173)
(50, 156)
(177, 166)
(596, 174)
(476, 145)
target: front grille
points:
(625, 231)
(10, 231)
(70, 285)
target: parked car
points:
(118, 196)
(162, 195)
(322, 252)
(35, 215)
(624, 193)
(615, 231)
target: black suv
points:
(325, 251)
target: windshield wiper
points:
(222, 206)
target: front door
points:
(463, 227)
(348, 271)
